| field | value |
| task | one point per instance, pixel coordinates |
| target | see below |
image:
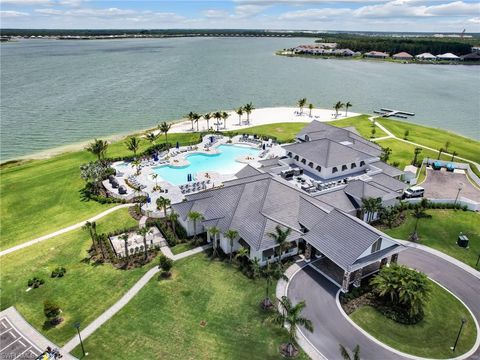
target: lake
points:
(55, 93)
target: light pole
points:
(77, 326)
(458, 193)
(459, 332)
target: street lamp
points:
(458, 193)
(459, 332)
(77, 326)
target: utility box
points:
(462, 241)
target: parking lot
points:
(13, 345)
(441, 184)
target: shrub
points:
(58, 272)
(52, 312)
(35, 282)
(165, 264)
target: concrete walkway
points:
(62, 231)
(129, 295)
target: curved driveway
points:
(331, 328)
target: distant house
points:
(474, 56)
(343, 52)
(447, 56)
(402, 56)
(376, 54)
(426, 56)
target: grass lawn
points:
(177, 249)
(284, 132)
(435, 138)
(85, 291)
(163, 320)
(362, 124)
(441, 231)
(433, 336)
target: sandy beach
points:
(262, 116)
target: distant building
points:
(426, 56)
(402, 56)
(476, 49)
(376, 54)
(474, 56)
(447, 56)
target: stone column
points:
(383, 262)
(308, 251)
(357, 279)
(394, 259)
(346, 281)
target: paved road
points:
(441, 184)
(331, 328)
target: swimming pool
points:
(224, 163)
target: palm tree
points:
(194, 216)
(197, 118)
(386, 152)
(137, 163)
(191, 117)
(151, 137)
(143, 232)
(239, 112)
(270, 273)
(370, 206)
(242, 253)
(291, 315)
(217, 116)
(231, 235)
(124, 237)
(454, 153)
(256, 269)
(207, 117)
(163, 203)
(346, 355)
(310, 108)
(416, 152)
(447, 145)
(280, 236)
(338, 106)
(389, 215)
(89, 228)
(347, 105)
(440, 151)
(98, 148)
(419, 213)
(301, 103)
(164, 128)
(214, 231)
(173, 217)
(224, 118)
(133, 144)
(248, 108)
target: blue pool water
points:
(224, 163)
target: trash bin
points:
(462, 241)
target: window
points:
(353, 166)
(344, 167)
(289, 154)
(310, 164)
(318, 168)
(362, 163)
(304, 161)
(296, 157)
(334, 170)
(377, 245)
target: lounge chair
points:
(122, 190)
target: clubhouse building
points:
(316, 189)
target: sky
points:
(353, 15)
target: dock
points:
(384, 112)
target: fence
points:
(471, 205)
(462, 166)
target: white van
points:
(414, 192)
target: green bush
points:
(58, 272)
(52, 312)
(35, 282)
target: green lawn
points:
(435, 138)
(284, 132)
(85, 291)
(362, 124)
(177, 249)
(433, 336)
(441, 231)
(166, 324)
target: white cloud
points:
(249, 10)
(475, 20)
(26, 2)
(215, 13)
(12, 14)
(315, 14)
(457, 8)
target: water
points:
(224, 163)
(56, 93)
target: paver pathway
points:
(62, 231)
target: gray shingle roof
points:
(359, 189)
(247, 171)
(327, 153)
(338, 199)
(387, 169)
(342, 238)
(389, 182)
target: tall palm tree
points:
(270, 273)
(419, 213)
(133, 144)
(280, 236)
(214, 232)
(224, 118)
(347, 105)
(197, 118)
(239, 112)
(346, 355)
(242, 253)
(370, 206)
(416, 152)
(164, 128)
(301, 103)
(124, 237)
(194, 216)
(291, 315)
(338, 106)
(231, 235)
(256, 269)
(191, 117)
(98, 148)
(454, 153)
(98, 241)
(440, 151)
(207, 117)
(152, 137)
(217, 116)
(137, 163)
(248, 108)
(89, 228)
(173, 217)
(447, 145)
(143, 233)
(163, 203)
(310, 108)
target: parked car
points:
(413, 192)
